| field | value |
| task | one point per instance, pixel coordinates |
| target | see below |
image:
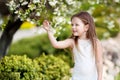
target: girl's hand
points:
(46, 25)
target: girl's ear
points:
(86, 27)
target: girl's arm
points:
(56, 44)
(99, 60)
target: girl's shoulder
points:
(98, 42)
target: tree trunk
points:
(7, 36)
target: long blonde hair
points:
(91, 33)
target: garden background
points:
(25, 50)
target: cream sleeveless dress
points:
(84, 59)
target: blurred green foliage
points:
(43, 68)
(35, 46)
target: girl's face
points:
(78, 27)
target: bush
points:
(18, 68)
(42, 68)
(53, 68)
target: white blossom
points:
(106, 34)
(117, 1)
(70, 2)
(36, 1)
(69, 22)
(58, 13)
(16, 12)
(112, 15)
(111, 24)
(32, 6)
(28, 19)
(21, 0)
(21, 19)
(1, 21)
(56, 9)
(60, 28)
(58, 19)
(53, 3)
(18, 5)
(59, 33)
(18, 16)
(24, 3)
(37, 14)
(11, 3)
(92, 2)
(91, 10)
(32, 22)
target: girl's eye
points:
(76, 24)
(71, 24)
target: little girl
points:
(86, 48)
